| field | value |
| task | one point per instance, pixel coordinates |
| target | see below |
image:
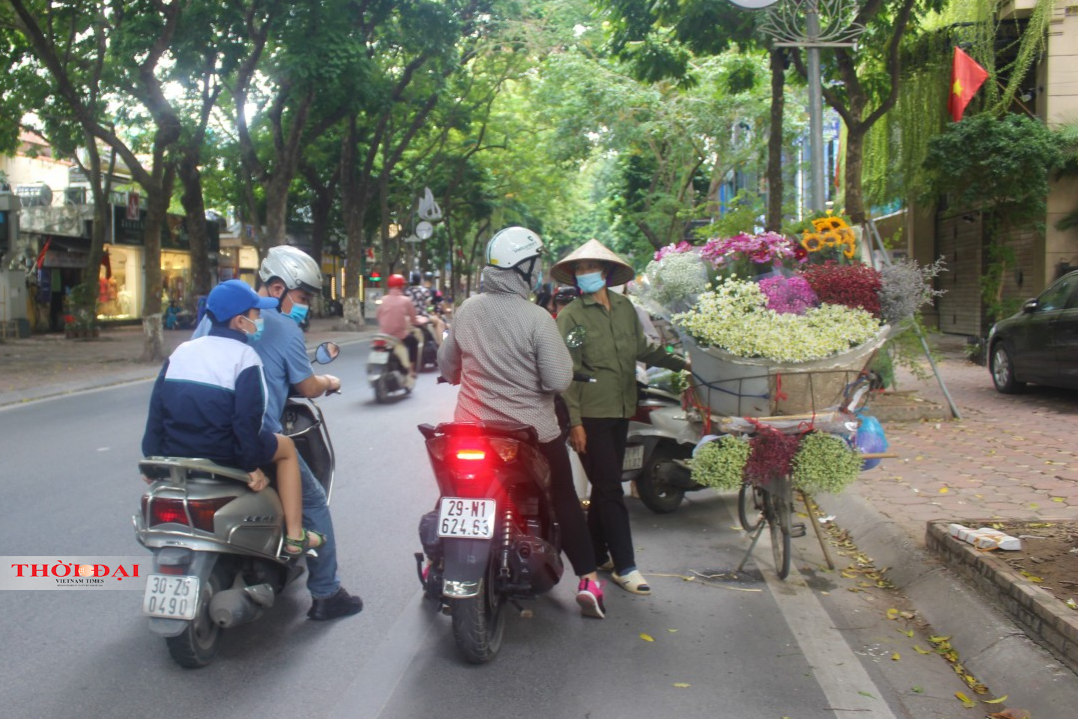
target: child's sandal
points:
(309, 540)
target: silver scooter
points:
(661, 439)
(217, 545)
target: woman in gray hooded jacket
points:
(510, 361)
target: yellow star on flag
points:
(957, 87)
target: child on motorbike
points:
(209, 399)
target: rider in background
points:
(396, 317)
(510, 362)
(423, 298)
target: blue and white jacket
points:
(208, 403)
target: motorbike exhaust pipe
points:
(233, 607)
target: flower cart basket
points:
(733, 386)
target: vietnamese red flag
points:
(966, 78)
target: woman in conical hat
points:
(599, 411)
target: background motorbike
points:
(388, 368)
(217, 545)
(661, 439)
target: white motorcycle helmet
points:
(294, 266)
(515, 248)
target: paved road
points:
(748, 646)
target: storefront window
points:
(176, 278)
(118, 296)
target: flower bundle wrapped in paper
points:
(779, 326)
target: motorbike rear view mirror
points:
(576, 337)
(326, 352)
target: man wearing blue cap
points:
(209, 400)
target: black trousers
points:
(608, 517)
(412, 343)
(575, 541)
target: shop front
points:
(119, 282)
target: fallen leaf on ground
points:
(920, 651)
(647, 637)
(682, 685)
(996, 701)
(895, 657)
(966, 701)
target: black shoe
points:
(341, 604)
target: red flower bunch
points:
(856, 285)
(770, 455)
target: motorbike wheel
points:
(429, 359)
(749, 511)
(197, 645)
(656, 495)
(479, 624)
(381, 389)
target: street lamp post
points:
(810, 24)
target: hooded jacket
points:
(506, 354)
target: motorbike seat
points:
(510, 430)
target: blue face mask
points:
(590, 282)
(298, 313)
(260, 324)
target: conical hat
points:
(620, 270)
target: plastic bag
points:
(870, 438)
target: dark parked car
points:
(1040, 343)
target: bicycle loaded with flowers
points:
(781, 332)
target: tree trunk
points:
(855, 202)
(157, 209)
(775, 183)
(197, 230)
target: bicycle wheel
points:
(750, 507)
(778, 517)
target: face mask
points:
(590, 282)
(298, 313)
(260, 324)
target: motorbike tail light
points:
(471, 455)
(436, 447)
(505, 448)
(379, 344)
(171, 511)
(203, 510)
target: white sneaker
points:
(632, 582)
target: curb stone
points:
(1044, 618)
(991, 646)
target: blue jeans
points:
(322, 578)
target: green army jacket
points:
(613, 343)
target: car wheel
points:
(1002, 367)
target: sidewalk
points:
(1009, 457)
(49, 365)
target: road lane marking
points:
(837, 669)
